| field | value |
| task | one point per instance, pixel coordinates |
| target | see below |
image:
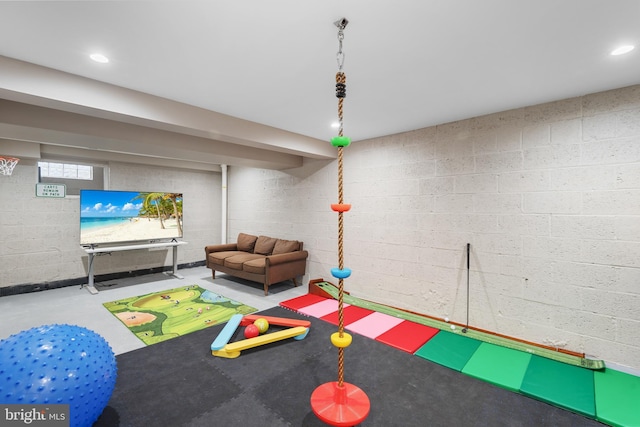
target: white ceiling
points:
(409, 63)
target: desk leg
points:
(174, 273)
(90, 286)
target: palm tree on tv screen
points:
(151, 205)
(177, 208)
(160, 205)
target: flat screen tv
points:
(108, 217)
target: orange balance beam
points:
(277, 321)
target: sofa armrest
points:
(220, 248)
(286, 258)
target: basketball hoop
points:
(7, 164)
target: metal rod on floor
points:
(468, 267)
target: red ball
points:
(251, 331)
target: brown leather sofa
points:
(261, 259)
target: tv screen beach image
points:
(128, 216)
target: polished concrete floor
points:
(77, 306)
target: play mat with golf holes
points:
(167, 314)
(577, 384)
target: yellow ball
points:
(262, 325)
(340, 341)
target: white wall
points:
(40, 236)
(548, 196)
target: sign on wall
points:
(51, 190)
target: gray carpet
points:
(179, 383)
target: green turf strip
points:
(448, 349)
(471, 333)
(560, 384)
(497, 365)
(617, 398)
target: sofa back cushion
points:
(246, 242)
(264, 245)
(285, 246)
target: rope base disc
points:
(340, 406)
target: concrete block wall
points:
(548, 196)
(40, 236)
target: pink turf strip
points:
(321, 308)
(374, 324)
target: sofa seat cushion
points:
(255, 266)
(218, 258)
(235, 262)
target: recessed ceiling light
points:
(335, 125)
(98, 57)
(622, 50)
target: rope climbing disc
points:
(340, 207)
(340, 141)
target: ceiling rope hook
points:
(341, 24)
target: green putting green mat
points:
(617, 398)
(498, 365)
(560, 384)
(450, 350)
(471, 333)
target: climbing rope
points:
(341, 93)
(340, 403)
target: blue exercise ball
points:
(58, 364)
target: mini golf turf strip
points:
(560, 384)
(450, 350)
(481, 336)
(617, 398)
(498, 365)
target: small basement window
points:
(75, 176)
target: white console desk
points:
(93, 251)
